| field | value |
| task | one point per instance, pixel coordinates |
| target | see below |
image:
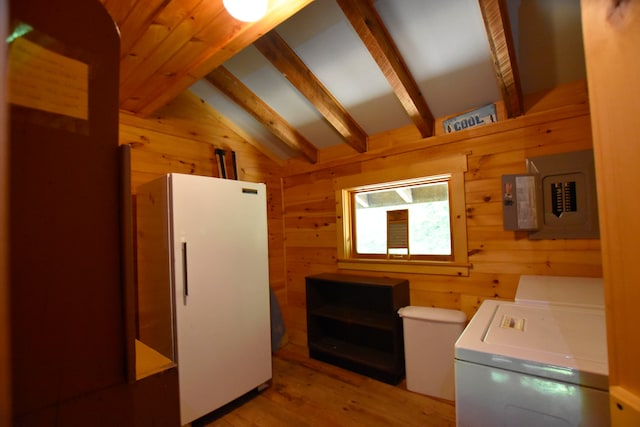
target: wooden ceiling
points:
(168, 45)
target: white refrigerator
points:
(203, 285)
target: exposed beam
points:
(367, 23)
(228, 84)
(405, 194)
(217, 116)
(280, 54)
(362, 200)
(496, 22)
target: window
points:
(406, 223)
(428, 222)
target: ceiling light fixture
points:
(246, 10)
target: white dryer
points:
(534, 363)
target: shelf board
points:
(356, 316)
(355, 353)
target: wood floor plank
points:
(309, 393)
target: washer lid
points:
(557, 342)
(577, 291)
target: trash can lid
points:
(434, 314)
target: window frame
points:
(353, 192)
(453, 166)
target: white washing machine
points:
(534, 362)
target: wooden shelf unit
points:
(353, 322)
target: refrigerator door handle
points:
(185, 276)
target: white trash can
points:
(430, 335)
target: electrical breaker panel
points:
(569, 199)
(556, 199)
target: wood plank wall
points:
(182, 138)
(555, 122)
(301, 196)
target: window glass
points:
(429, 218)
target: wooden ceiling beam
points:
(228, 84)
(496, 21)
(369, 25)
(281, 56)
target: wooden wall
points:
(555, 122)
(611, 37)
(182, 138)
(301, 199)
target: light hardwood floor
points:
(307, 392)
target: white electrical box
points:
(520, 207)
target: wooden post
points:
(611, 37)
